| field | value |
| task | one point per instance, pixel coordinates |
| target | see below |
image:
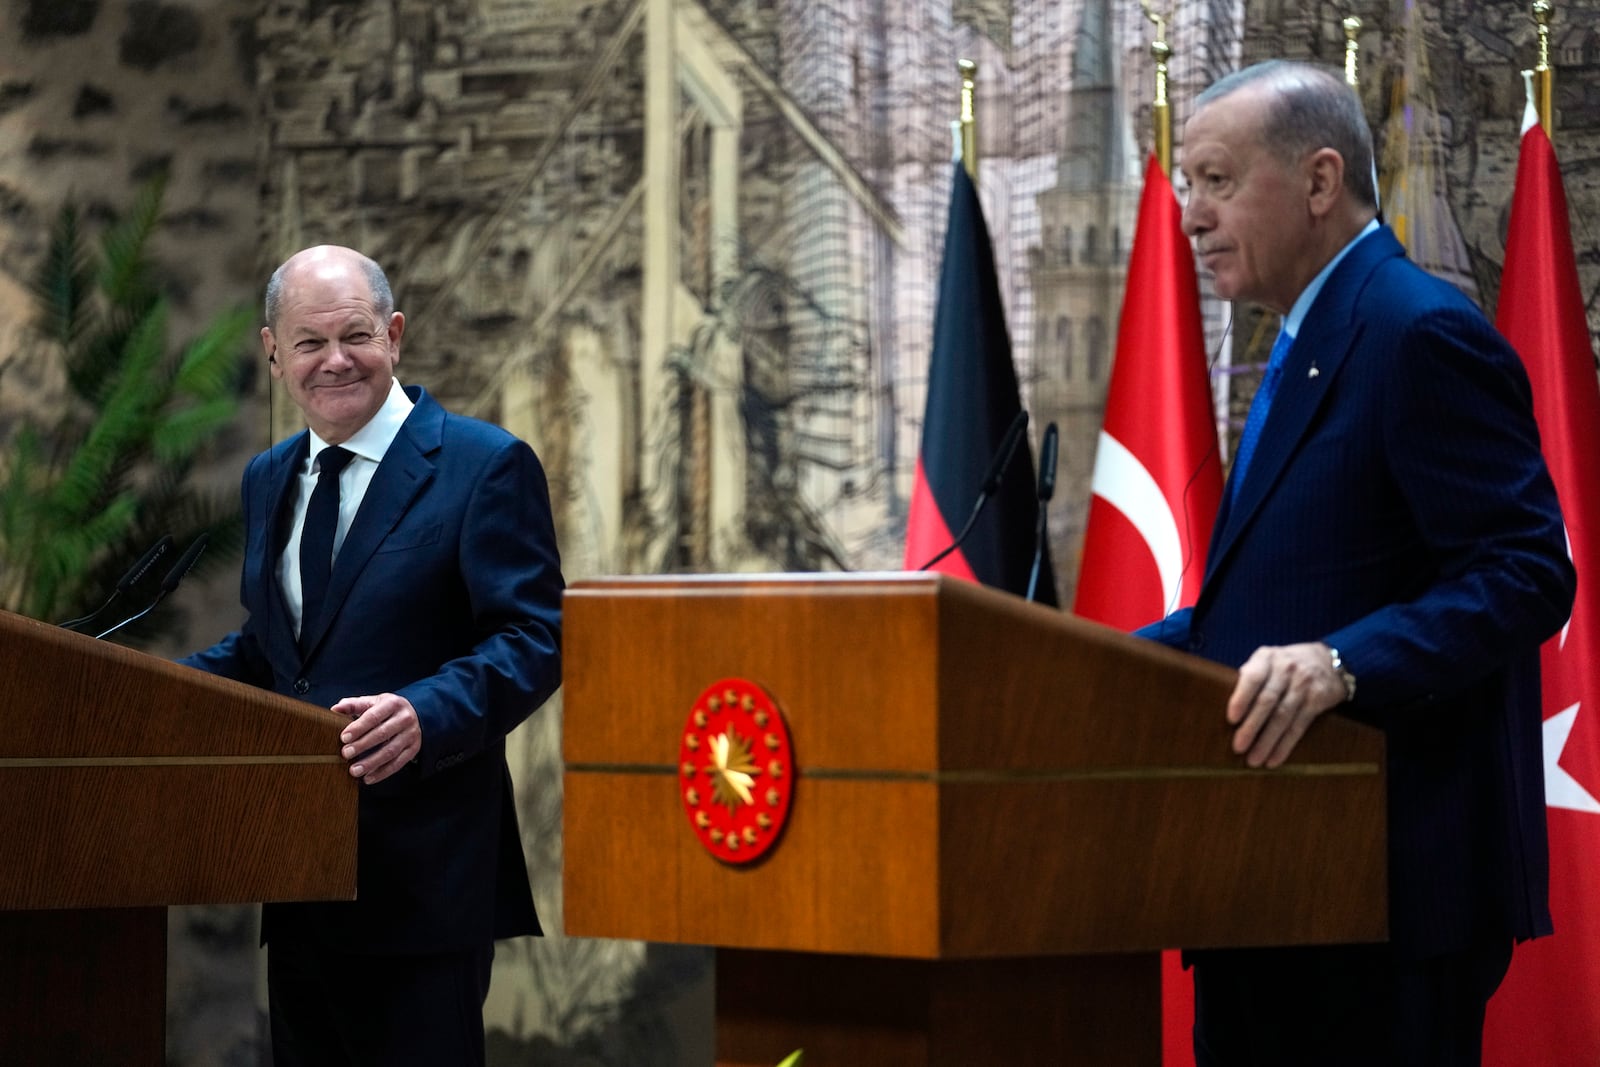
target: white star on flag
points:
(1561, 790)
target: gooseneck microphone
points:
(991, 482)
(168, 584)
(1047, 489)
(135, 574)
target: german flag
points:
(972, 401)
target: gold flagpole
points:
(969, 122)
(1161, 110)
(1352, 49)
(1543, 76)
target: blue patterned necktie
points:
(1258, 410)
(316, 537)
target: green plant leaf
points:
(121, 434)
(87, 488)
(124, 275)
(64, 282)
(209, 368)
(181, 434)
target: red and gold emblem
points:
(736, 770)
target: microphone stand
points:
(1047, 489)
(991, 483)
(126, 582)
(168, 584)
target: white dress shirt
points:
(369, 444)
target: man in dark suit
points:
(1390, 546)
(401, 568)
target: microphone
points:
(991, 482)
(179, 570)
(1047, 489)
(134, 575)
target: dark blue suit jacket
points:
(447, 591)
(1397, 508)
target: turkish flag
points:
(1157, 475)
(1548, 1009)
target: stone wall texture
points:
(95, 98)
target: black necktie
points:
(316, 538)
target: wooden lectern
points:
(1001, 814)
(128, 783)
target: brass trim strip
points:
(1102, 774)
(17, 763)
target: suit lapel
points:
(283, 469)
(1329, 333)
(405, 472)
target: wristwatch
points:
(1344, 674)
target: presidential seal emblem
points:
(736, 770)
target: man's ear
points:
(1325, 180)
(397, 329)
(270, 346)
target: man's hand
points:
(1281, 692)
(383, 735)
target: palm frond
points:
(20, 497)
(122, 429)
(181, 433)
(124, 271)
(209, 368)
(87, 490)
(72, 552)
(64, 282)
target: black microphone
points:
(168, 584)
(135, 575)
(1047, 489)
(991, 482)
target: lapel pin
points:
(1313, 372)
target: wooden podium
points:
(128, 783)
(1001, 814)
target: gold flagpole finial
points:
(969, 119)
(1543, 76)
(1352, 49)
(1161, 111)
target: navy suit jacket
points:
(447, 591)
(1397, 508)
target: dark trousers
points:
(336, 1009)
(1343, 1006)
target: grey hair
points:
(377, 282)
(1311, 109)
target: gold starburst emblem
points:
(731, 770)
(742, 815)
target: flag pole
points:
(1161, 110)
(968, 121)
(1543, 76)
(1352, 50)
(1352, 77)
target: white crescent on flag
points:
(1127, 485)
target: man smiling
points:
(400, 568)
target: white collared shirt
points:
(369, 445)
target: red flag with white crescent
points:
(1157, 475)
(1548, 1009)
